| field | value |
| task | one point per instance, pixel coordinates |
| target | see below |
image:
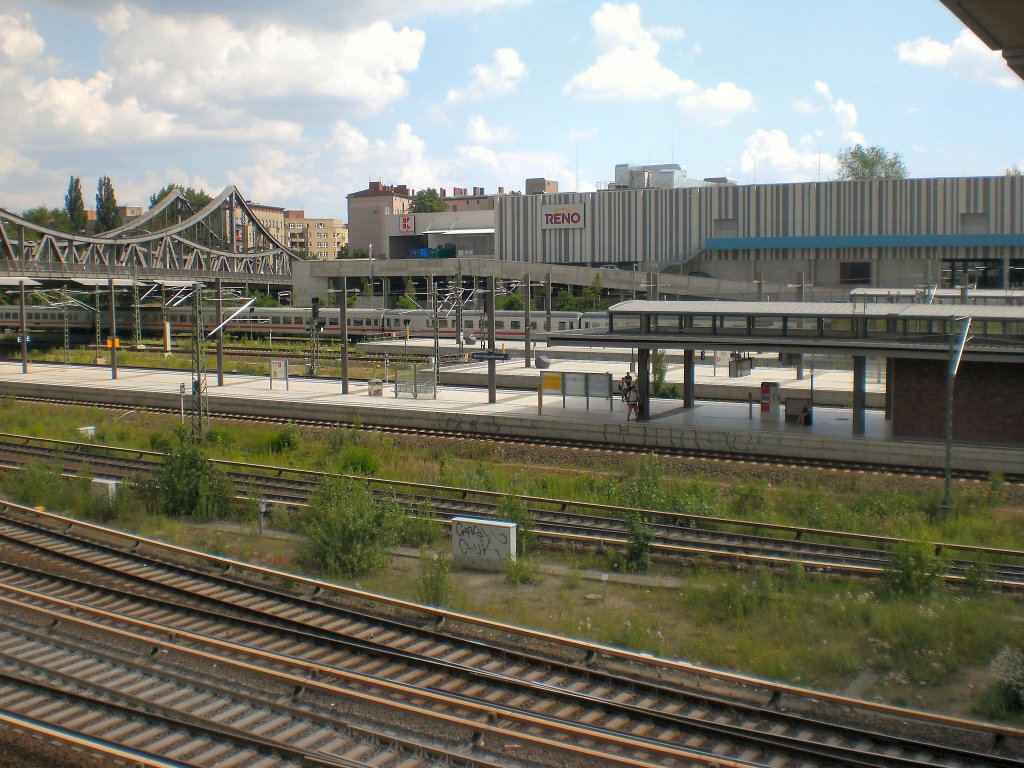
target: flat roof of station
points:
(923, 344)
(806, 309)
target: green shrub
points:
(514, 510)
(914, 570)
(420, 527)
(643, 487)
(288, 439)
(348, 529)
(750, 502)
(434, 586)
(338, 438)
(522, 570)
(35, 484)
(638, 551)
(357, 460)
(996, 486)
(188, 485)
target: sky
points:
(300, 103)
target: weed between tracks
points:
(909, 642)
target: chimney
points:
(375, 186)
(401, 189)
(444, 192)
(501, 190)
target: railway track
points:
(730, 457)
(564, 522)
(229, 663)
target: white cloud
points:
(349, 139)
(583, 133)
(478, 130)
(845, 112)
(716, 106)
(768, 157)
(19, 41)
(254, 64)
(668, 33)
(804, 107)
(628, 69)
(967, 57)
(499, 78)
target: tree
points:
(197, 197)
(1015, 170)
(51, 218)
(859, 163)
(107, 215)
(428, 201)
(74, 205)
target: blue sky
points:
(301, 103)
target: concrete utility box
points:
(375, 388)
(485, 545)
(105, 488)
(87, 433)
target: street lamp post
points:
(369, 262)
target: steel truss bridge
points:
(172, 241)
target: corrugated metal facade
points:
(674, 225)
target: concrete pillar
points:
(688, 378)
(492, 374)
(527, 333)
(860, 368)
(643, 382)
(890, 368)
(219, 315)
(113, 330)
(1006, 268)
(343, 332)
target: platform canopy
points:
(998, 23)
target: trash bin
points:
(542, 362)
(375, 388)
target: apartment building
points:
(319, 239)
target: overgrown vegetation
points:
(434, 586)
(187, 485)
(911, 629)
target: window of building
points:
(855, 273)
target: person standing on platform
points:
(632, 403)
(625, 385)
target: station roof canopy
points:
(6, 281)
(998, 23)
(838, 328)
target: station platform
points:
(823, 383)
(730, 427)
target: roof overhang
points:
(997, 23)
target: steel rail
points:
(820, 748)
(669, 518)
(137, 703)
(587, 649)
(709, 455)
(315, 674)
(740, 547)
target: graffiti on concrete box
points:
(483, 543)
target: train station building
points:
(924, 346)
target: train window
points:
(515, 325)
(499, 325)
(442, 323)
(533, 325)
(286, 321)
(357, 321)
(468, 324)
(561, 325)
(586, 324)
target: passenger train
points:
(296, 321)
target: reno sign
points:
(565, 216)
